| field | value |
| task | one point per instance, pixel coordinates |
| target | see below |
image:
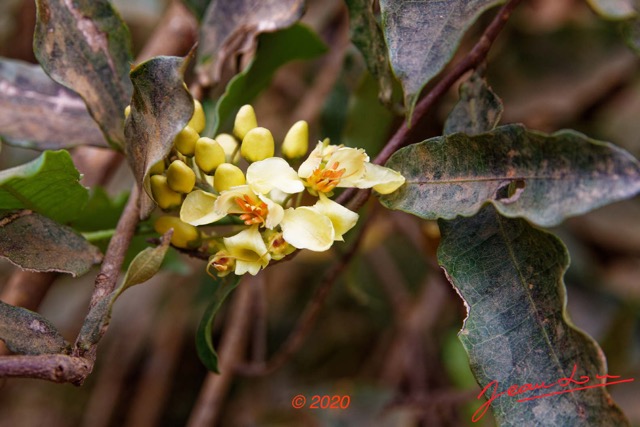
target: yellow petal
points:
(276, 212)
(306, 228)
(197, 208)
(226, 201)
(274, 172)
(382, 179)
(249, 251)
(342, 218)
(312, 162)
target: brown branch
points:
(58, 368)
(471, 61)
(308, 319)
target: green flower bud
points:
(230, 146)
(296, 142)
(185, 236)
(164, 196)
(257, 145)
(127, 111)
(209, 154)
(227, 176)
(180, 177)
(245, 121)
(185, 140)
(198, 120)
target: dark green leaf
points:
(614, 9)
(143, 267)
(544, 178)
(36, 112)
(85, 46)
(26, 332)
(48, 185)
(631, 33)
(102, 212)
(161, 107)
(367, 36)
(478, 110)
(517, 330)
(422, 37)
(204, 339)
(36, 243)
(300, 42)
(230, 26)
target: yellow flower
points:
(252, 208)
(330, 166)
(317, 227)
(248, 250)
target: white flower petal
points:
(306, 228)
(382, 179)
(275, 214)
(352, 160)
(249, 251)
(313, 161)
(198, 208)
(273, 172)
(226, 202)
(342, 218)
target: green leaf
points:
(38, 113)
(143, 267)
(367, 35)
(204, 339)
(102, 211)
(230, 26)
(422, 37)
(544, 178)
(478, 110)
(48, 185)
(301, 43)
(517, 330)
(26, 332)
(161, 107)
(37, 243)
(85, 46)
(614, 9)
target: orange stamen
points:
(326, 179)
(255, 211)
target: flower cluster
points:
(271, 209)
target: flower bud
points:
(164, 196)
(257, 145)
(180, 177)
(209, 154)
(127, 111)
(185, 140)
(198, 120)
(157, 169)
(184, 235)
(277, 246)
(245, 121)
(227, 176)
(230, 146)
(296, 142)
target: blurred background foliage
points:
(387, 334)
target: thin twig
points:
(308, 319)
(403, 135)
(58, 368)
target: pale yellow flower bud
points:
(198, 120)
(185, 141)
(227, 176)
(164, 196)
(296, 142)
(180, 177)
(230, 146)
(257, 145)
(209, 154)
(127, 111)
(245, 121)
(184, 235)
